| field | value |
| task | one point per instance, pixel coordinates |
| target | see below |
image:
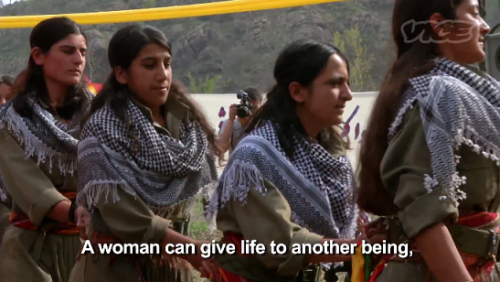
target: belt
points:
(483, 243)
(21, 220)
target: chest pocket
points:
(471, 160)
(482, 177)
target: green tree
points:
(206, 87)
(360, 60)
(149, 4)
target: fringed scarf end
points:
(93, 191)
(350, 231)
(408, 105)
(235, 184)
(33, 147)
(478, 145)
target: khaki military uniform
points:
(405, 163)
(27, 255)
(132, 221)
(266, 218)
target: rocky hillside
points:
(227, 52)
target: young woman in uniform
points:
(39, 132)
(430, 163)
(147, 151)
(289, 181)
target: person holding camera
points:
(239, 115)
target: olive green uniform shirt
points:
(404, 165)
(267, 218)
(132, 221)
(27, 255)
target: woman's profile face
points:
(64, 63)
(463, 41)
(329, 93)
(149, 77)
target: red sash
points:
(22, 220)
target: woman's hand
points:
(82, 217)
(376, 231)
(206, 266)
(363, 219)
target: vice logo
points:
(413, 31)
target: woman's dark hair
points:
(414, 58)
(254, 94)
(18, 85)
(301, 61)
(44, 35)
(124, 47)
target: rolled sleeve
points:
(29, 187)
(403, 169)
(41, 206)
(156, 230)
(424, 210)
(131, 220)
(298, 262)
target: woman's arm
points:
(131, 220)
(268, 218)
(444, 261)
(28, 185)
(196, 260)
(60, 212)
(423, 214)
(314, 259)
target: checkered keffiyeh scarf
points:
(457, 106)
(42, 136)
(163, 171)
(318, 186)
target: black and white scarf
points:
(162, 171)
(43, 137)
(318, 186)
(457, 106)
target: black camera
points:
(243, 109)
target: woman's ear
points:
(440, 26)
(121, 75)
(38, 56)
(297, 92)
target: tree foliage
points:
(350, 42)
(207, 86)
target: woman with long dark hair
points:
(147, 150)
(289, 180)
(430, 160)
(39, 132)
